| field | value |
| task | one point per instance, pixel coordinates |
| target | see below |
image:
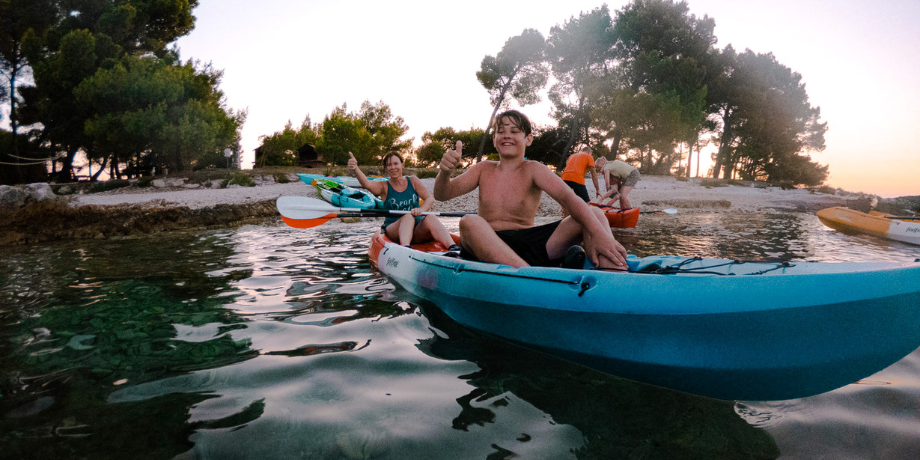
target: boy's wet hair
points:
(517, 119)
(392, 153)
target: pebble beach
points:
(652, 192)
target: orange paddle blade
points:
(307, 223)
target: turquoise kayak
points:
(346, 197)
(347, 181)
(714, 327)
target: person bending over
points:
(619, 178)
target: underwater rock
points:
(55, 220)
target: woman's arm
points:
(376, 187)
(423, 193)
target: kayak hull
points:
(874, 223)
(346, 197)
(787, 333)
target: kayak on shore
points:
(714, 327)
(346, 197)
(347, 181)
(846, 220)
(619, 218)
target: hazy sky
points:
(286, 59)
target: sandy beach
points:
(652, 192)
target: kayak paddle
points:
(306, 212)
(607, 207)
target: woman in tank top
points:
(404, 193)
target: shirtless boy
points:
(509, 195)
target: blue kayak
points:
(346, 197)
(714, 327)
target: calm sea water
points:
(269, 342)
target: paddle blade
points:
(307, 223)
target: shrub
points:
(281, 178)
(105, 186)
(333, 170)
(145, 181)
(682, 178)
(786, 185)
(713, 183)
(238, 178)
(427, 173)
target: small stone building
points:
(306, 157)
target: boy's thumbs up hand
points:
(451, 158)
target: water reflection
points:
(272, 342)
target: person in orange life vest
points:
(574, 174)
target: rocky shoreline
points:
(136, 211)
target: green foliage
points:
(548, 144)
(334, 171)
(518, 71)
(826, 189)
(709, 183)
(281, 178)
(578, 53)
(106, 84)
(768, 123)
(156, 112)
(438, 142)
(145, 181)
(279, 149)
(238, 178)
(385, 128)
(105, 186)
(427, 173)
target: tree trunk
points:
(689, 159)
(66, 173)
(501, 98)
(680, 157)
(14, 121)
(568, 145)
(95, 177)
(482, 142)
(615, 146)
(698, 160)
(721, 158)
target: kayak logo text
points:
(913, 230)
(392, 263)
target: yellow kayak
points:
(876, 223)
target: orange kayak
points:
(620, 218)
(875, 223)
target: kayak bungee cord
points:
(653, 269)
(656, 269)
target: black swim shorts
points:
(528, 243)
(579, 189)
